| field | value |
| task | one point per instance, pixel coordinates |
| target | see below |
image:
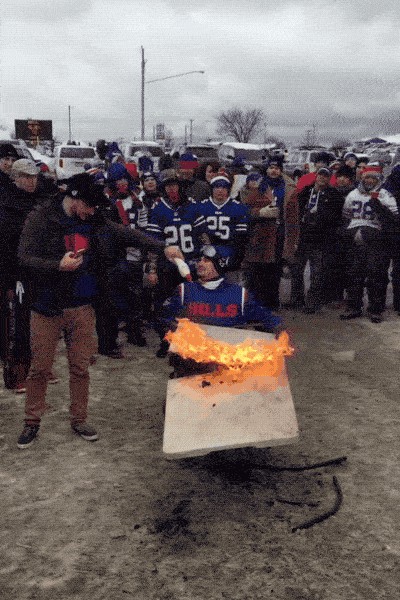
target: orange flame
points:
(235, 362)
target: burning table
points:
(244, 401)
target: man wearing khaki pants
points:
(67, 247)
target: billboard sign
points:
(33, 131)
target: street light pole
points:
(152, 81)
(69, 123)
(142, 95)
(171, 76)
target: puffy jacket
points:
(42, 247)
(319, 225)
(15, 205)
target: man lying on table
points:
(212, 301)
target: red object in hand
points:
(76, 242)
(375, 195)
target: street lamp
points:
(153, 81)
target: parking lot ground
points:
(114, 519)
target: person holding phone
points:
(69, 249)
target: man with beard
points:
(368, 244)
(69, 249)
(16, 202)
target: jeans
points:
(314, 254)
(78, 325)
(368, 267)
(263, 280)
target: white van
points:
(153, 149)
(71, 158)
(252, 154)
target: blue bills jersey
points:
(181, 225)
(226, 221)
(227, 305)
(227, 224)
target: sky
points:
(330, 66)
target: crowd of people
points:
(106, 250)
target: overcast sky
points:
(334, 64)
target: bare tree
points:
(339, 145)
(240, 124)
(310, 137)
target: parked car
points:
(300, 161)
(253, 154)
(204, 152)
(395, 160)
(132, 151)
(70, 159)
(38, 157)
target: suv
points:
(154, 149)
(252, 154)
(70, 159)
(301, 161)
(204, 152)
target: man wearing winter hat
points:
(227, 220)
(350, 159)
(193, 187)
(211, 300)
(177, 220)
(335, 278)
(321, 159)
(345, 178)
(8, 155)
(320, 207)
(367, 211)
(150, 194)
(253, 181)
(362, 162)
(273, 232)
(69, 249)
(113, 154)
(16, 203)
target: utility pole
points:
(69, 123)
(191, 131)
(185, 135)
(314, 133)
(142, 97)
